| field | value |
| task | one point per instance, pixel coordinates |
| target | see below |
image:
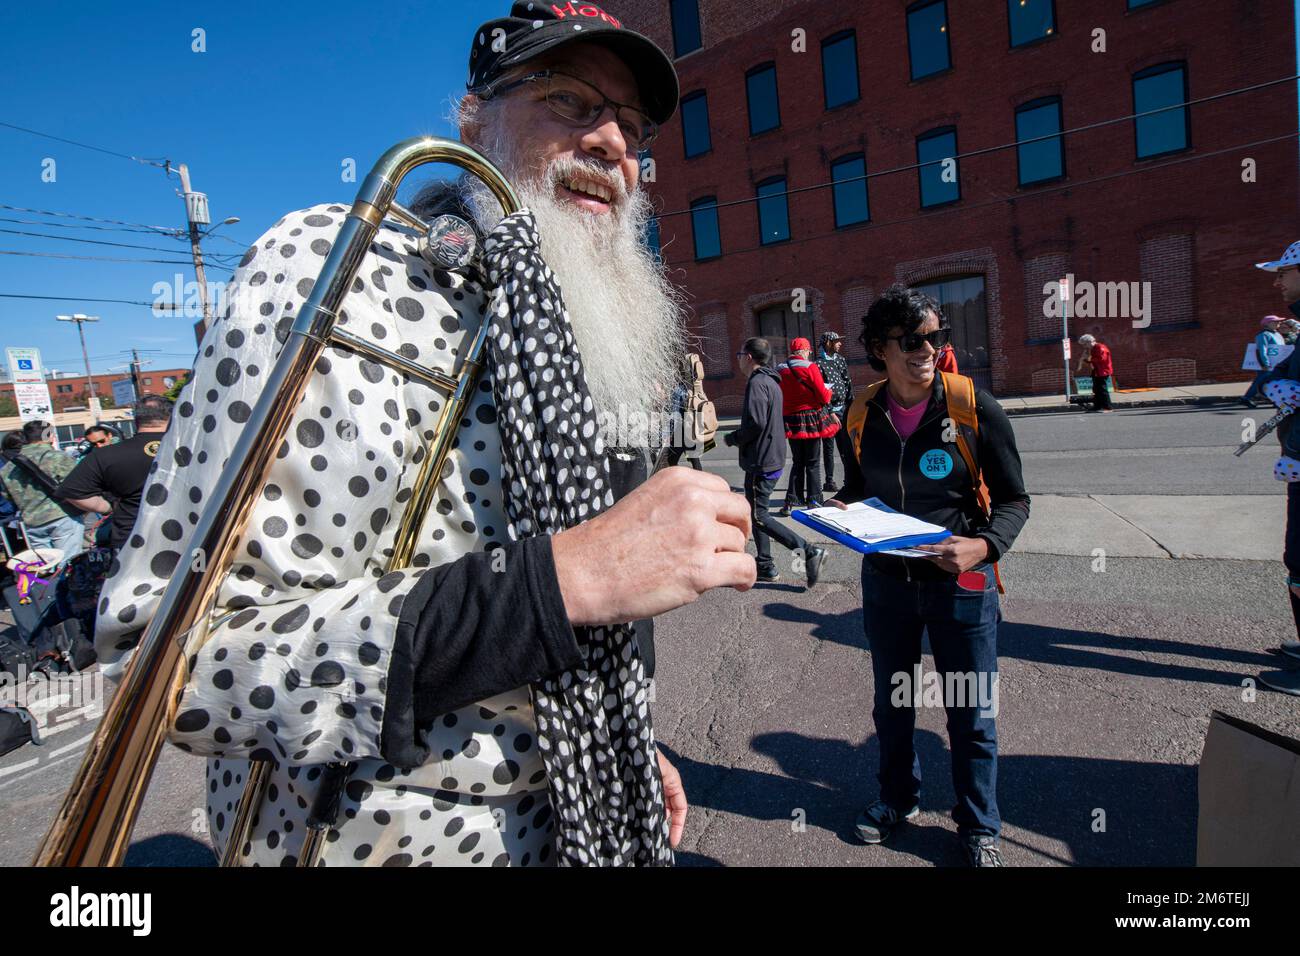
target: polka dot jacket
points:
(295, 667)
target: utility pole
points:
(81, 320)
(1065, 330)
(135, 374)
(196, 214)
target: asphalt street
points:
(1108, 677)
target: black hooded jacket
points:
(761, 435)
(927, 478)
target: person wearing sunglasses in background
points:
(762, 444)
(911, 434)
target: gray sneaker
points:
(877, 821)
(983, 851)
(1290, 649)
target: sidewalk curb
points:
(1201, 401)
(1198, 401)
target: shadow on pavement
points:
(1060, 647)
(1150, 809)
(170, 849)
(1070, 648)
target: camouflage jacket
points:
(36, 506)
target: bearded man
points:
(489, 705)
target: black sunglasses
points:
(911, 341)
(578, 102)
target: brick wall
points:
(1169, 265)
(1193, 228)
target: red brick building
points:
(780, 99)
(71, 390)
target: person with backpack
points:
(933, 447)
(693, 419)
(30, 478)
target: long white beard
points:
(626, 315)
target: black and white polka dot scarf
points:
(593, 723)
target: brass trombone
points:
(93, 825)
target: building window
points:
(686, 26)
(704, 223)
(850, 190)
(1031, 20)
(780, 325)
(148, 381)
(927, 38)
(840, 69)
(764, 110)
(695, 124)
(1169, 264)
(64, 389)
(937, 150)
(70, 434)
(1168, 131)
(1041, 159)
(965, 306)
(773, 212)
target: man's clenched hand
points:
(678, 535)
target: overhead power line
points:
(59, 255)
(988, 149)
(73, 215)
(46, 224)
(160, 164)
(1045, 191)
(100, 242)
(73, 298)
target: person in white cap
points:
(1282, 387)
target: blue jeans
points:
(1253, 391)
(66, 533)
(963, 628)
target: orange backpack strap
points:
(857, 414)
(959, 392)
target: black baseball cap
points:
(534, 28)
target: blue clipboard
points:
(857, 544)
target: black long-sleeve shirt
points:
(485, 624)
(927, 478)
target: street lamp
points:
(81, 320)
(228, 221)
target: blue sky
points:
(264, 119)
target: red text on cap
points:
(586, 10)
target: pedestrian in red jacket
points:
(946, 360)
(808, 419)
(1098, 356)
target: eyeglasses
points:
(578, 102)
(912, 340)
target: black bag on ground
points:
(17, 727)
(17, 657)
